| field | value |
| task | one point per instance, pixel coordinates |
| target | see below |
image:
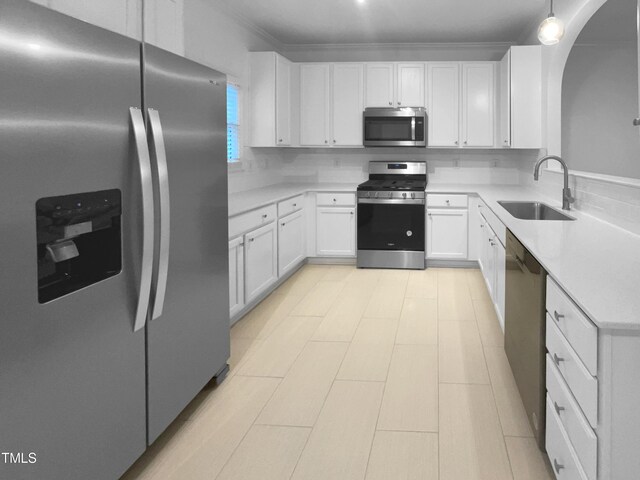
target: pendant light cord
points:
(551, 9)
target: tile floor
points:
(358, 374)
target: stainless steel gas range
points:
(391, 216)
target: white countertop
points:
(251, 199)
(596, 263)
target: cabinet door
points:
(443, 104)
(488, 259)
(499, 287)
(478, 104)
(314, 104)
(290, 241)
(505, 100)
(163, 24)
(336, 232)
(261, 264)
(379, 86)
(348, 103)
(283, 101)
(447, 234)
(525, 78)
(120, 16)
(410, 91)
(236, 275)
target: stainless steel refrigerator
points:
(113, 244)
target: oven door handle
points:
(393, 201)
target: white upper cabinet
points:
(283, 101)
(380, 88)
(505, 101)
(271, 78)
(315, 128)
(443, 104)
(347, 105)
(164, 24)
(478, 104)
(394, 85)
(120, 16)
(331, 104)
(521, 97)
(410, 85)
(461, 104)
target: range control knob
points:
(413, 195)
(404, 195)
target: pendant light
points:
(551, 30)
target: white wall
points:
(599, 100)
(214, 37)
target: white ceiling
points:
(298, 22)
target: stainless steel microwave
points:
(395, 127)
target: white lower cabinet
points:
(500, 257)
(291, 241)
(261, 262)
(447, 233)
(236, 275)
(336, 231)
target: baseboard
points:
(331, 260)
(441, 263)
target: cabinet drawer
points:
(583, 386)
(337, 199)
(576, 327)
(492, 219)
(446, 200)
(564, 461)
(581, 435)
(290, 205)
(248, 221)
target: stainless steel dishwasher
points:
(524, 340)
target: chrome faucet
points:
(567, 199)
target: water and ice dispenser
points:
(79, 241)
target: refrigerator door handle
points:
(144, 163)
(160, 155)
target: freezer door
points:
(72, 370)
(188, 343)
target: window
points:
(233, 123)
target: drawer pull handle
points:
(557, 466)
(558, 408)
(264, 215)
(295, 204)
(251, 239)
(351, 213)
(283, 224)
(557, 316)
(557, 359)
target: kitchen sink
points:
(533, 211)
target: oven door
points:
(391, 225)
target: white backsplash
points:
(265, 167)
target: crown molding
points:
(394, 46)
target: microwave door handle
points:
(413, 128)
(160, 157)
(144, 163)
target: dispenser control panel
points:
(79, 241)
